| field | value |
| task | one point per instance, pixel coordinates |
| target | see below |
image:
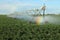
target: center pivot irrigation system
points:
(38, 19)
(39, 11)
(43, 9)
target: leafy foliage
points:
(16, 29)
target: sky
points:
(11, 6)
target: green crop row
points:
(16, 29)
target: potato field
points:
(16, 29)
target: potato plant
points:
(16, 29)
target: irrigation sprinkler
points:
(43, 9)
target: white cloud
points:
(7, 7)
(12, 7)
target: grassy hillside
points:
(16, 29)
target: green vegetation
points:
(16, 29)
